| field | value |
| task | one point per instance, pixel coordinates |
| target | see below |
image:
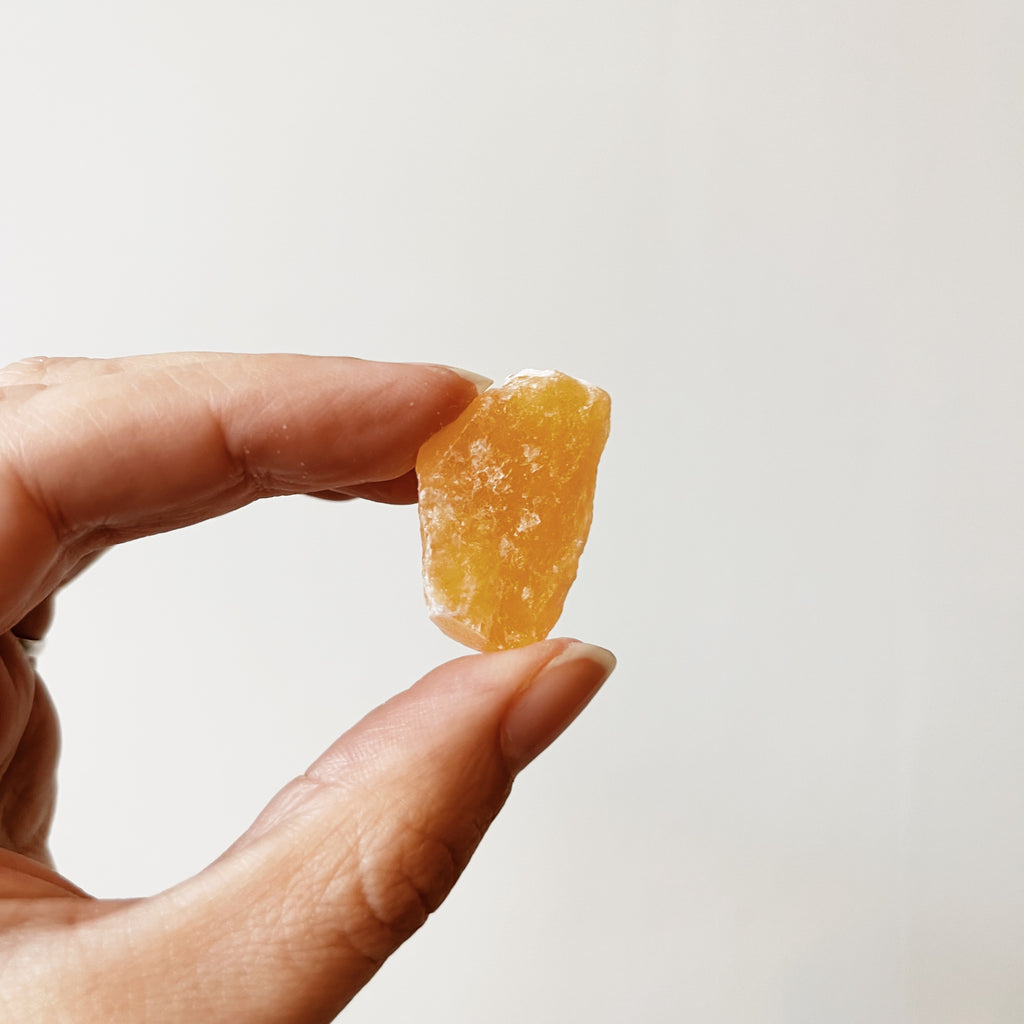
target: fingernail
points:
(558, 693)
(478, 380)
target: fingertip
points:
(552, 700)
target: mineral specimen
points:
(506, 495)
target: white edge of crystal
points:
(541, 373)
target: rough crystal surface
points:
(506, 496)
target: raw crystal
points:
(506, 496)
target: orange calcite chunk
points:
(506, 495)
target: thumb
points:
(348, 860)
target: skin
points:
(347, 860)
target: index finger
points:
(101, 451)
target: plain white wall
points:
(789, 240)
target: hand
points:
(345, 862)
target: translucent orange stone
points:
(506, 496)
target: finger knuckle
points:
(398, 883)
(34, 370)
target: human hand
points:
(349, 859)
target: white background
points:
(789, 239)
